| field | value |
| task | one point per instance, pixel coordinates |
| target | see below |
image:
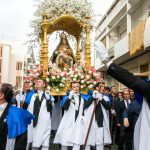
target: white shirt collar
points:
(3, 106)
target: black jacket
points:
(129, 80)
(119, 115)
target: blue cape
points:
(17, 121)
(138, 95)
(66, 97)
(28, 97)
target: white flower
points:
(87, 82)
(47, 79)
(74, 79)
(62, 74)
(94, 74)
(71, 75)
(79, 74)
(63, 85)
(48, 87)
(81, 87)
(94, 82)
(58, 76)
(37, 74)
(82, 77)
(90, 71)
(87, 76)
(75, 76)
(65, 69)
(90, 86)
(64, 78)
(47, 73)
(57, 90)
(82, 81)
(53, 77)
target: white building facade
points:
(113, 30)
(12, 58)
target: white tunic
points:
(39, 135)
(69, 130)
(142, 129)
(97, 135)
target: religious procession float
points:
(69, 18)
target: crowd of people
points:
(113, 121)
(99, 119)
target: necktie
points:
(127, 103)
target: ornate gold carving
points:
(88, 49)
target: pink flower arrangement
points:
(56, 78)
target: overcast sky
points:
(15, 16)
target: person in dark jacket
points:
(13, 121)
(142, 127)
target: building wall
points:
(115, 33)
(12, 53)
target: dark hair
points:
(7, 90)
(107, 88)
(119, 93)
(73, 83)
(98, 84)
(113, 86)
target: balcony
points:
(121, 47)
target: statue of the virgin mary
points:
(63, 55)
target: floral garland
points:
(57, 78)
(55, 8)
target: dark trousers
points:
(117, 139)
(126, 139)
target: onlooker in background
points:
(125, 136)
(114, 103)
(132, 94)
(107, 90)
(27, 94)
(120, 96)
(130, 116)
(142, 127)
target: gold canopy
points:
(70, 25)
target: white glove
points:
(113, 111)
(47, 96)
(97, 95)
(71, 94)
(99, 46)
(100, 96)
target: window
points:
(144, 68)
(18, 81)
(19, 66)
(1, 51)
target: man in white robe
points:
(41, 106)
(142, 127)
(70, 129)
(99, 134)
